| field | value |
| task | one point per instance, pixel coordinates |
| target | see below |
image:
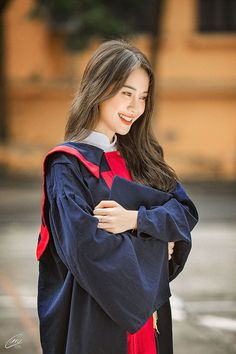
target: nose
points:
(134, 105)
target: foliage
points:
(3, 4)
(82, 19)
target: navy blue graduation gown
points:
(95, 286)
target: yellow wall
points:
(196, 119)
(195, 116)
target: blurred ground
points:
(204, 297)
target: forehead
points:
(138, 79)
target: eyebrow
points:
(132, 88)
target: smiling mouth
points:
(125, 119)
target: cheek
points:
(142, 107)
(112, 104)
(105, 109)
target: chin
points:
(123, 131)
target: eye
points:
(127, 93)
(144, 98)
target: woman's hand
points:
(171, 246)
(114, 218)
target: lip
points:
(125, 121)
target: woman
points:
(116, 222)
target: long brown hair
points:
(104, 75)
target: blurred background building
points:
(195, 66)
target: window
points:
(217, 15)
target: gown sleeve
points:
(127, 277)
(171, 221)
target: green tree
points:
(83, 19)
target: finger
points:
(102, 219)
(171, 249)
(103, 227)
(102, 211)
(106, 204)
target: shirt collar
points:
(101, 141)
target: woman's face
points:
(117, 114)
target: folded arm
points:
(171, 221)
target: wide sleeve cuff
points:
(167, 223)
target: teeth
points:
(124, 117)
